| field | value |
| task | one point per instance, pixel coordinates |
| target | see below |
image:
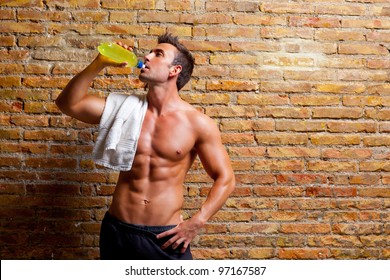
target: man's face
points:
(158, 64)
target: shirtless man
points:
(144, 220)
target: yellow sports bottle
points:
(119, 54)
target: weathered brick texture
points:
(299, 89)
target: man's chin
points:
(142, 78)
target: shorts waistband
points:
(138, 228)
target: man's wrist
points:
(199, 220)
(98, 63)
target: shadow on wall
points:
(52, 220)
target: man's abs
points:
(147, 203)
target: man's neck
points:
(162, 99)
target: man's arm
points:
(216, 162)
(74, 100)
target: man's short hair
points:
(183, 58)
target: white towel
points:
(119, 131)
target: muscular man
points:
(144, 220)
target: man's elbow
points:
(63, 105)
(59, 103)
(231, 184)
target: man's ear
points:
(175, 70)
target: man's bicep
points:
(213, 154)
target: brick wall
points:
(300, 90)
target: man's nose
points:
(148, 56)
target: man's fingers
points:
(124, 46)
(166, 233)
(177, 243)
(174, 241)
(109, 62)
(183, 250)
(118, 64)
(168, 243)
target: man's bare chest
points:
(170, 138)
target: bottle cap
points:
(140, 64)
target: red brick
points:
(347, 10)
(41, 16)
(51, 163)
(253, 19)
(367, 49)
(278, 191)
(281, 139)
(301, 179)
(237, 138)
(247, 125)
(325, 139)
(261, 253)
(255, 178)
(134, 4)
(246, 151)
(304, 254)
(315, 22)
(305, 228)
(347, 153)
(302, 126)
(365, 23)
(23, 27)
(10, 162)
(7, 14)
(332, 166)
(286, 8)
(279, 165)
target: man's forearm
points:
(78, 87)
(219, 193)
(74, 100)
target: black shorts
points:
(122, 241)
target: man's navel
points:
(144, 201)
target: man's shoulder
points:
(196, 115)
(202, 124)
